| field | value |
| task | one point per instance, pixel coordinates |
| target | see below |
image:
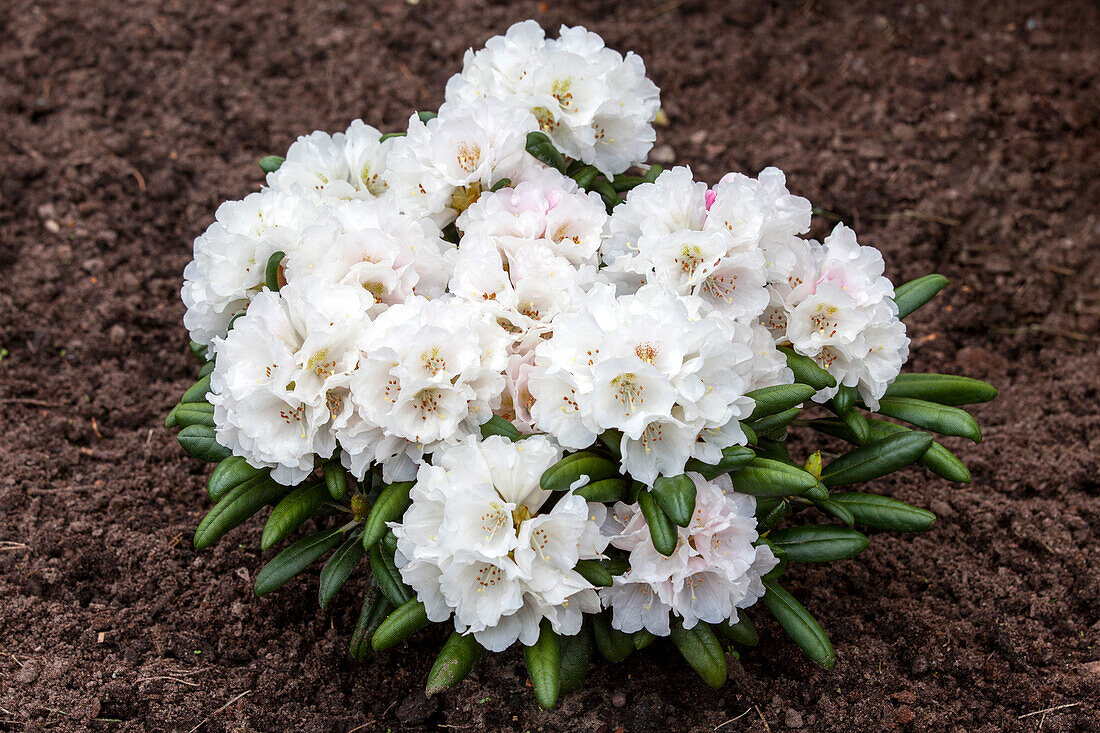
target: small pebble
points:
(618, 700)
(793, 718)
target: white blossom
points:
(344, 165)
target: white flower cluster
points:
(714, 570)
(385, 296)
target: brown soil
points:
(960, 137)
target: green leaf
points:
(388, 543)
(915, 293)
(807, 371)
(289, 514)
(773, 426)
(732, 458)
(389, 135)
(779, 398)
(613, 644)
(819, 542)
(585, 176)
(882, 512)
(750, 434)
(606, 491)
(642, 638)
(456, 659)
(544, 666)
(876, 459)
(740, 631)
(198, 350)
(676, 497)
(271, 163)
(835, 509)
(799, 624)
(613, 441)
(387, 577)
(844, 404)
(616, 565)
(576, 654)
(271, 273)
(403, 622)
(765, 477)
(170, 419)
(336, 480)
(540, 146)
(207, 368)
(375, 609)
(937, 459)
(237, 505)
(607, 193)
(701, 649)
(339, 568)
(295, 559)
(502, 183)
(425, 116)
(199, 441)
(946, 389)
(652, 172)
(232, 471)
(497, 425)
(194, 413)
(390, 505)
(197, 392)
(594, 573)
(774, 516)
(661, 529)
(568, 470)
(931, 416)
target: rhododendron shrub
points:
(529, 387)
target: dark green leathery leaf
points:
(295, 508)
(946, 389)
(780, 398)
(772, 425)
(376, 607)
(336, 480)
(390, 505)
(497, 425)
(403, 622)
(676, 497)
(271, 272)
(774, 516)
(271, 163)
(200, 441)
(700, 648)
(740, 631)
(661, 530)
(594, 573)
(915, 293)
(819, 542)
(339, 568)
(295, 559)
(807, 371)
(613, 644)
(883, 512)
(230, 472)
(937, 458)
(606, 491)
(844, 404)
(732, 458)
(576, 655)
(542, 148)
(571, 468)
(237, 505)
(388, 578)
(544, 666)
(876, 459)
(941, 419)
(799, 624)
(197, 392)
(194, 413)
(835, 509)
(765, 477)
(459, 655)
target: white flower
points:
(344, 165)
(276, 386)
(427, 375)
(474, 544)
(595, 104)
(714, 570)
(231, 257)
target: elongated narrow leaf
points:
(540, 146)
(194, 413)
(773, 425)
(876, 459)
(497, 425)
(740, 631)
(835, 509)
(376, 607)
(937, 458)
(774, 516)
(576, 655)
(661, 529)
(271, 272)
(946, 389)
(915, 293)
(295, 559)
(765, 477)
(456, 659)
(295, 508)
(642, 638)
(616, 565)
(237, 505)
(613, 441)
(170, 419)
(570, 469)
(198, 350)
(931, 416)
(271, 163)
(844, 404)
(819, 542)
(701, 649)
(339, 568)
(613, 644)
(207, 368)
(197, 392)
(605, 492)
(676, 497)
(426, 115)
(232, 471)
(544, 666)
(336, 480)
(403, 622)
(807, 371)
(585, 176)
(390, 505)
(387, 577)
(199, 441)
(779, 398)
(594, 573)
(882, 512)
(732, 458)
(799, 624)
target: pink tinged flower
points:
(711, 195)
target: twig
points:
(733, 720)
(27, 401)
(661, 10)
(6, 545)
(171, 679)
(910, 214)
(223, 707)
(763, 719)
(1049, 710)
